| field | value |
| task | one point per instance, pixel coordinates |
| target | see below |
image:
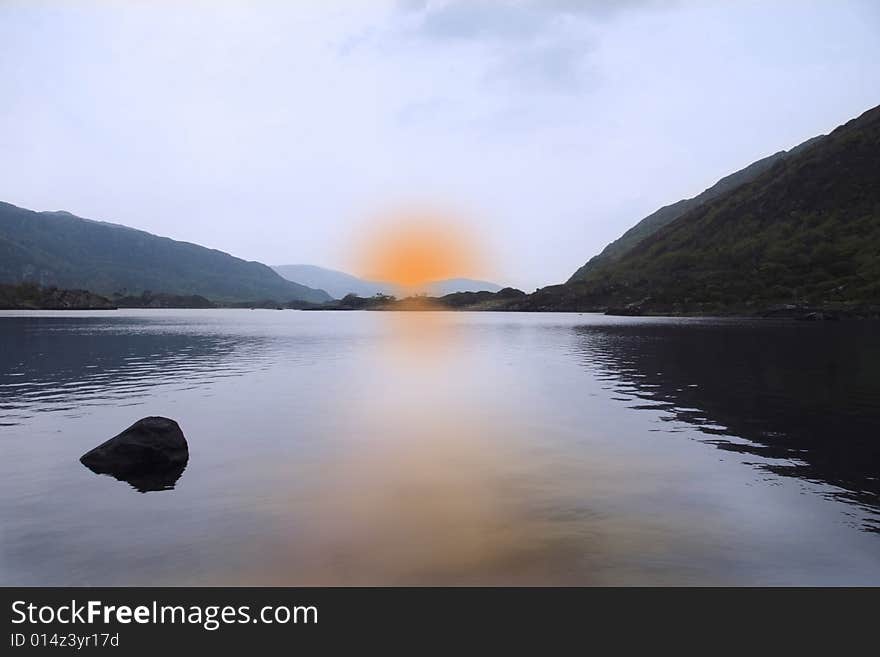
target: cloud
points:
(411, 5)
(597, 8)
(481, 19)
(515, 20)
(509, 46)
(524, 45)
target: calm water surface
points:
(443, 448)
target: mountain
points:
(63, 250)
(669, 213)
(339, 284)
(805, 232)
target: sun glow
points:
(413, 247)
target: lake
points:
(333, 448)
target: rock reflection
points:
(147, 479)
(805, 396)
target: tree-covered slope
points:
(28, 296)
(60, 249)
(669, 213)
(806, 232)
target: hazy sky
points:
(273, 129)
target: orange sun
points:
(414, 247)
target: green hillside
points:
(804, 232)
(60, 249)
(669, 213)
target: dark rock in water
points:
(150, 455)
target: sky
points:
(277, 131)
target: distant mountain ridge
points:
(340, 284)
(336, 283)
(63, 250)
(459, 285)
(669, 213)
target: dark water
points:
(436, 448)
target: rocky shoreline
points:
(511, 300)
(31, 297)
(28, 296)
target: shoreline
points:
(30, 297)
(809, 316)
